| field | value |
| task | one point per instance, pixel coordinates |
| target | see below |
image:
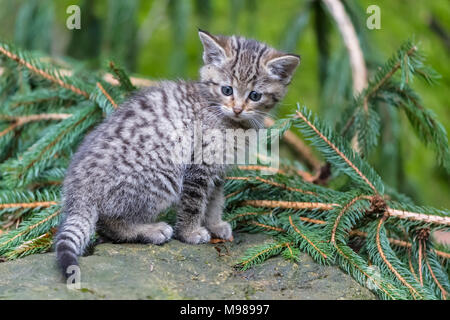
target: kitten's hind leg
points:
(213, 215)
(124, 231)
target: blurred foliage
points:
(158, 39)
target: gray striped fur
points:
(124, 173)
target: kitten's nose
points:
(237, 110)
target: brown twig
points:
(444, 293)
(401, 214)
(21, 120)
(290, 250)
(362, 271)
(273, 183)
(43, 74)
(411, 267)
(290, 204)
(31, 227)
(261, 168)
(341, 213)
(28, 204)
(266, 226)
(236, 192)
(332, 146)
(99, 85)
(399, 243)
(420, 263)
(394, 213)
(387, 262)
(10, 128)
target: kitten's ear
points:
(213, 48)
(283, 67)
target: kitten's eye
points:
(255, 96)
(227, 90)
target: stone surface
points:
(178, 271)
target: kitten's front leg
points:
(213, 215)
(191, 210)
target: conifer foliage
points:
(344, 215)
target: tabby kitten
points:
(124, 173)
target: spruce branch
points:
(39, 244)
(272, 183)
(299, 146)
(20, 172)
(398, 271)
(412, 216)
(303, 235)
(47, 75)
(439, 276)
(400, 243)
(261, 168)
(410, 264)
(38, 204)
(335, 153)
(36, 225)
(13, 200)
(358, 268)
(332, 224)
(422, 217)
(341, 214)
(121, 76)
(289, 204)
(113, 103)
(257, 255)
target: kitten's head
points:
(246, 77)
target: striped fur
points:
(124, 173)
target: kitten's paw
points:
(222, 230)
(196, 236)
(156, 233)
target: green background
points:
(158, 39)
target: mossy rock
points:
(178, 271)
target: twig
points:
(31, 227)
(341, 213)
(418, 216)
(262, 252)
(332, 146)
(28, 204)
(363, 272)
(399, 243)
(261, 168)
(411, 267)
(420, 263)
(99, 85)
(444, 293)
(266, 226)
(387, 262)
(273, 183)
(43, 74)
(299, 146)
(305, 238)
(290, 204)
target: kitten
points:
(124, 173)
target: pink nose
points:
(237, 110)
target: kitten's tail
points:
(72, 238)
